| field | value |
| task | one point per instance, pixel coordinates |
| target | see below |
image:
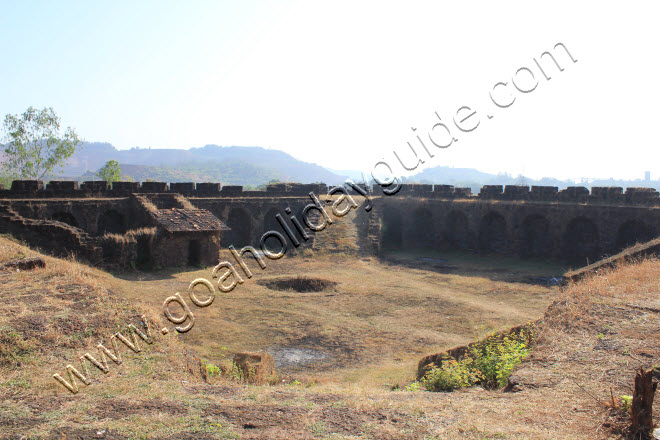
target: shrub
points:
(496, 358)
(213, 370)
(451, 375)
(489, 363)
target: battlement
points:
(72, 189)
(573, 194)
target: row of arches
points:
(244, 230)
(579, 242)
(238, 219)
(109, 222)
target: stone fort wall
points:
(575, 224)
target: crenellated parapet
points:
(72, 189)
(573, 194)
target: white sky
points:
(341, 83)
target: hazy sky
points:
(343, 83)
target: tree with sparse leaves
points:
(111, 172)
(34, 145)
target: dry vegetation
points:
(592, 339)
(130, 235)
(371, 325)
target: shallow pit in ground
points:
(293, 357)
(298, 284)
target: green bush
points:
(489, 363)
(451, 375)
(496, 358)
(213, 370)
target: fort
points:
(156, 224)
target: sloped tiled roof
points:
(188, 220)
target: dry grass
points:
(372, 327)
(146, 203)
(380, 311)
(130, 236)
(184, 202)
(592, 341)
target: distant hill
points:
(229, 173)
(472, 178)
(228, 165)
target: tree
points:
(110, 171)
(34, 146)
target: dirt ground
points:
(372, 325)
(591, 340)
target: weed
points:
(213, 370)
(317, 429)
(495, 359)
(13, 348)
(17, 383)
(415, 386)
(626, 401)
(451, 375)
(489, 363)
(225, 431)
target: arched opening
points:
(270, 222)
(492, 233)
(581, 241)
(634, 231)
(111, 222)
(535, 240)
(457, 232)
(65, 217)
(144, 259)
(392, 228)
(240, 223)
(422, 230)
(194, 253)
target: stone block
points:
(255, 368)
(125, 187)
(62, 185)
(544, 193)
(95, 186)
(182, 187)
(26, 186)
(154, 187)
(208, 188)
(231, 190)
(516, 192)
(578, 194)
(491, 192)
(462, 192)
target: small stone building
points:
(186, 237)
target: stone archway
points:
(111, 222)
(270, 223)
(492, 233)
(535, 237)
(457, 231)
(65, 217)
(240, 223)
(634, 231)
(392, 228)
(581, 241)
(422, 230)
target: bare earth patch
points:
(379, 320)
